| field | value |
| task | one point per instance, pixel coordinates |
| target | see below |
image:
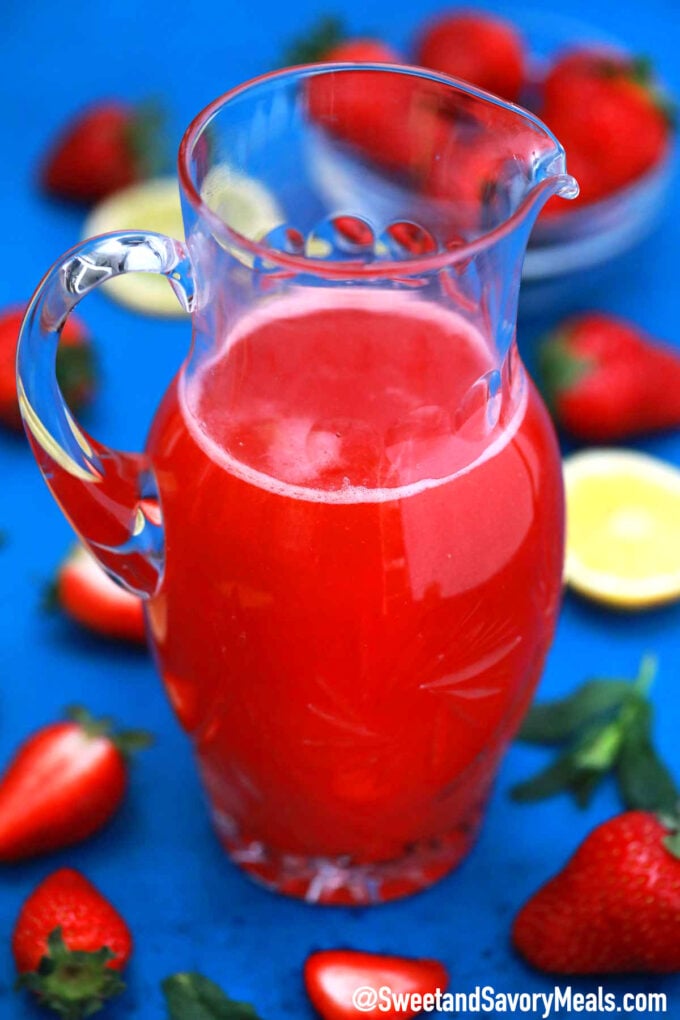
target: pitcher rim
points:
(553, 183)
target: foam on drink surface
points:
(349, 397)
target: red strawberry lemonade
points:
(364, 549)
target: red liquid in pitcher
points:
(364, 548)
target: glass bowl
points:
(569, 255)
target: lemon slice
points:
(244, 203)
(623, 527)
(151, 205)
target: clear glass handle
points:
(110, 498)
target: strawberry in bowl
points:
(608, 113)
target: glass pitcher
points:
(347, 522)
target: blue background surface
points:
(159, 861)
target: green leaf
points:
(641, 70)
(76, 373)
(644, 781)
(559, 369)
(584, 785)
(647, 670)
(672, 844)
(87, 722)
(49, 597)
(556, 721)
(606, 726)
(147, 139)
(555, 778)
(128, 742)
(318, 41)
(598, 749)
(72, 983)
(192, 996)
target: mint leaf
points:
(192, 996)
(556, 721)
(644, 781)
(560, 775)
(605, 727)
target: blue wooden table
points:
(159, 861)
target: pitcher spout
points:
(498, 168)
(552, 178)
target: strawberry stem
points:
(146, 139)
(316, 44)
(76, 373)
(128, 742)
(559, 368)
(73, 983)
(672, 844)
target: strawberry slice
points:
(90, 597)
(76, 370)
(343, 984)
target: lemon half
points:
(151, 205)
(623, 527)
(242, 202)
(245, 204)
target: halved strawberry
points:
(88, 595)
(64, 783)
(76, 371)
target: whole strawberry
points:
(484, 50)
(86, 593)
(75, 364)
(383, 116)
(68, 945)
(106, 147)
(63, 785)
(614, 908)
(605, 380)
(608, 115)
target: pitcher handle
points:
(110, 498)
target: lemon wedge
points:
(151, 205)
(623, 527)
